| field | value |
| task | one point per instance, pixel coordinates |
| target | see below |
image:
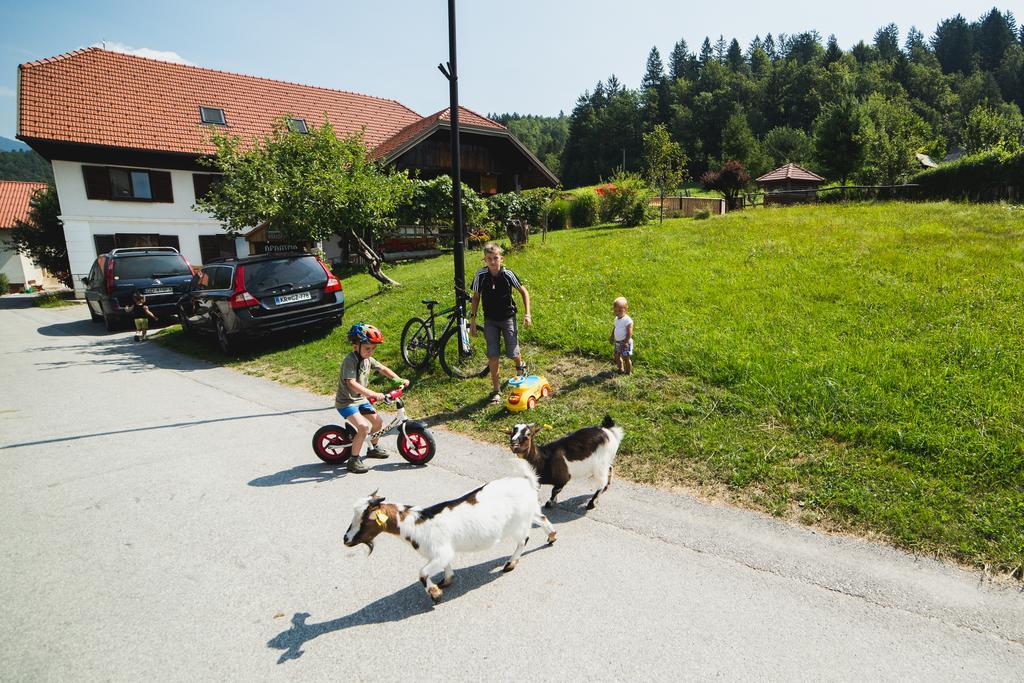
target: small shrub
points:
(54, 299)
(583, 210)
(628, 202)
(5, 284)
(701, 214)
(558, 214)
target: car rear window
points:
(157, 265)
(297, 271)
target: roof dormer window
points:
(297, 125)
(212, 115)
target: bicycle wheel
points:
(458, 364)
(416, 343)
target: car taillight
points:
(333, 283)
(110, 276)
(514, 398)
(240, 298)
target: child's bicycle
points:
(460, 357)
(333, 443)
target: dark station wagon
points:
(246, 297)
(160, 273)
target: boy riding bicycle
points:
(352, 397)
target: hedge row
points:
(990, 175)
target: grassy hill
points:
(855, 367)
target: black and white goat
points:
(501, 510)
(587, 452)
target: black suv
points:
(161, 273)
(256, 295)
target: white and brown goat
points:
(587, 452)
(501, 510)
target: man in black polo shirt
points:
(495, 284)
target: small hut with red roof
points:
(788, 185)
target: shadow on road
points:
(311, 473)
(172, 425)
(408, 602)
(463, 412)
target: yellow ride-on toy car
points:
(526, 391)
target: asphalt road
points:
(164, 519)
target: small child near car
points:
(622, 336)
(140, 311)
(352, 397)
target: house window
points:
(298, 125)
(213, 247)
(127, 184)
(204, 182)
(212, 115)
(106, 243)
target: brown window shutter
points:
(104, 243)
(169, 241)
(160, 185)
(201, 184)
(97, 182)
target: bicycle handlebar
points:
(391, 396)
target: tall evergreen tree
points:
(679, 61)
(721, 48)
(734, 57)
(706, 53)
(769, 47)
(755, 45)
(654, 77)
(994, 34)
(654, 90)
(887, 42)
(953, 43)
(914, 42)
(837, 139)
(833, 53)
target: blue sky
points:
(531, 56)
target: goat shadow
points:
(408, 602)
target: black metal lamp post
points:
(451, 73)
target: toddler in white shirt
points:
(622, 336)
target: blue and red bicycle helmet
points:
(361, 333)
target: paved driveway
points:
(166, 520)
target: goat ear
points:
(535, 428)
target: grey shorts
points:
(493, 332)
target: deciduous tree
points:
(41, 237)
(664, 162)
(309, 186)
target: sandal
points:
(495, 398)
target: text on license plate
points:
(292, 298)
(159, 290)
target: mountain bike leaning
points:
(460, 356)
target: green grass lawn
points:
(55, 299)
(857, 368)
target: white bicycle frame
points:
(397, 423)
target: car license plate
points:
(293, 298)
(159, 290)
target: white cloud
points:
(149, 53)
(7, 92)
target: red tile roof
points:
(790, 172)
(14, 196)
(98, 97)
(416, 129)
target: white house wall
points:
(83, 218)
(18, 268)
